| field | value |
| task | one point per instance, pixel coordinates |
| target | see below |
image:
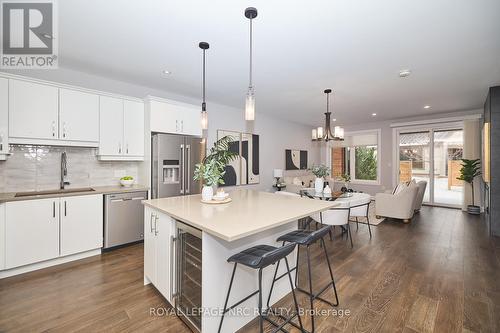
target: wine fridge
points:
(188, 264)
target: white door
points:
(78, 116)
(190, 121)
(4, 115)
(164, 117)
(149, 246)
(110, 126)
(81, 223)
(31, 231)
(133, 128)
(33, 110)
(164, 255)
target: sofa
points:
(402, 203)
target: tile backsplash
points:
(35, 168)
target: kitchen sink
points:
(53, 192)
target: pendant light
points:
(338, 134)
(250, 13)
(204, 114)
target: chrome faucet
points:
(64, 171)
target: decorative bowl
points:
(126, 182)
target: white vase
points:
(318, 185)
(207, 193)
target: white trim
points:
(437, 120)
(120, 158)
(68, 86)
(50, 142)
(48, 263)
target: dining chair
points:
(337, 216)
(361, 209)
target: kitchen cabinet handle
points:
(172, 257)
(127, 147)
(119, 148)
(65, 208)
(151, 222)
(53, 209)
(176, 125)
(1, 142)
(156, 225)
(64, 129)
(182, 125)
(53, 128)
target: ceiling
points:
(300, 48)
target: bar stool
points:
(259, 257)
(307, 238)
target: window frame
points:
(352, 157)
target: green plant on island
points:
(211, 170)
(127, 178)
(320, 171)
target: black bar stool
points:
(259, 257)
(307, 238)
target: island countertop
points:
(250, 212)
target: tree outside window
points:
(365, 163)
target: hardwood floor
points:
(441, 273)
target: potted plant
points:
(320, 171)
(470, 170)
(211, 170)
(346, 179)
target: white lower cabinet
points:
(31, 231)
(81, 223)
(2, 236)
(43, 229)
(159, 230)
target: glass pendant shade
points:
(250, 105)
(336, 131)
(320, 133)
(314, 134)
(204, 120)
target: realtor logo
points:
(29, 34)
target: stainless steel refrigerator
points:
(173, 160)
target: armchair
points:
(399, 206)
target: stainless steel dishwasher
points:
(123, 218)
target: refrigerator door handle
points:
(188, 169)
(183, 171)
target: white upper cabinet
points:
(174, 117)
(33, 110)
(110, 126)
(81, 223)
(78, 116)
(31, 231)
(133, 128)
(4, 118)
(121, 129)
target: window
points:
(358, 157)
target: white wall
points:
(386, 149)
(276, 135)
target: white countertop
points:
(249, 212)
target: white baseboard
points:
(44, 264)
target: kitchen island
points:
(187, 243)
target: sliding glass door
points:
(433, 155)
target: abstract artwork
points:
(245, 168)
(295, 159)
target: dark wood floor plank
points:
(441, 273)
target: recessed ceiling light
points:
(374, 114)
(334, 119)
(404, 73)
(427, 107)
(166, 72)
